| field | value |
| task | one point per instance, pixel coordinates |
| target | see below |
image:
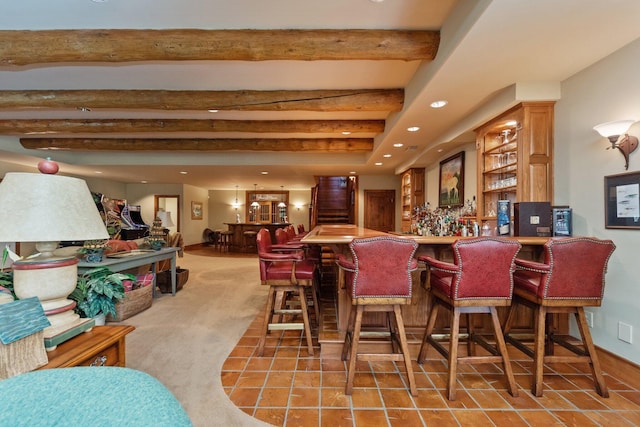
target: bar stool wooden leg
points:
(351, 369)
(502, 348)
(596, 371)
(267, 320)
(404, 346)
(453, 353)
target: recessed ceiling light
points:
(212, 111)
(353, 172)
(376, 1)
(183, 172)
(413, 128)
(511, 123)
(387, 155)
(143, 182)
(398, 144)
(264, 173)
(378, 163)
(438, 104)
(346, 132)
(84, 109)
(439, 150)
(97, 171)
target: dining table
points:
(337, 237)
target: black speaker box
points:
(532, 219)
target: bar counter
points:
(238, 241)
(338, 236)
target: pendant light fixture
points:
(282, 204)
(255, 203)
(236, 205)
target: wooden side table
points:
(102, 346)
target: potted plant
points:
(97, 292)
(93, 250)
(6, 279)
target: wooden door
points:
(379, 210)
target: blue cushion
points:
(83, 396)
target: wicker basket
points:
(23, 355)
(133, 303)
(163, 279)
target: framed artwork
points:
(196, 210)
(451, 192)
(622, 201)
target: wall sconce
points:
(612, 130)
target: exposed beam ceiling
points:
(386, 100)
(104, 45)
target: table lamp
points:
(167, 222)
(46, 208)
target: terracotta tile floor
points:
(286, 387)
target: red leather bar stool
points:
(284, 244)
(250, 240)
(479, 280)
(288, 275)
(570, 278)
(379, 280)
(225, 240)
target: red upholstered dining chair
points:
(283, 242)
(570, 278)
(379, 280)
(288, 275)
(479, 280)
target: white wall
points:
(609, 90)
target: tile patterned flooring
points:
(286, 387)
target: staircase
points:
(333, 201)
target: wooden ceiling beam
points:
(236, 100)
(321, 145)
(56, 126)
(23, 47)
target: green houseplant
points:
(6, 276)
(98, 290)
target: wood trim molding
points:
(22, 47)
(619, 367)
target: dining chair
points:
(479, 280)
(378, 277)
(288, 275)
(570, 278)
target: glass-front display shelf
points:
(500, 158)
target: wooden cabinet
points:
(412, 195)
(515, 158)
(101, 346)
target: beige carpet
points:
(184, 340)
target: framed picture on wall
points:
(451, 187)
(622, 201)
(196, 210)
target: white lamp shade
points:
(165, 217)
(617, 127)
(48, 208)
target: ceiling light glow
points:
(398, 144)
(438, 104)
(413, 128)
